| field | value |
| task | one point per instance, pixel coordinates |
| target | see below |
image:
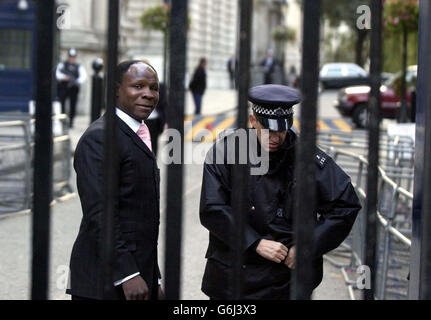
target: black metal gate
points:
(421, 261)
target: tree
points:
(338, 11)
(402, 17)
(339, 47)
(283, 34)
(157, 18)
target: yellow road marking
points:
(323, 125)
(189, 118)
(226, 123)
(340, 123)
(198, 127)
(296, 124)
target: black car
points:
(340, 75)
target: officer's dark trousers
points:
(64, 93)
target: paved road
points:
(15, 232)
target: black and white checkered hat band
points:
(275, 112)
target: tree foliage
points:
(157, 18)
(338, 11)
(284, 34)
(392, 51)
(400, 15)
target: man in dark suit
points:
(198, 84)
(232, 68)
(136, 271)
(269, 65)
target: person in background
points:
(232, 68)
(292, 77)
(269, 63)
(70, 76)
(198, 84)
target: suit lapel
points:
(135, 138)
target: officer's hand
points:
(136, 289)
(291, 258)
(272, 250)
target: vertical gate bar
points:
(42, 186)
(387, 239)
(174, 206)
(423, 151)
(165, 51)
(240, 174)
(305, 164)
(110, 161)
(373, 144)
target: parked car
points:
(353, 101)
(340, 74)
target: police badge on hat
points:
(272, 105)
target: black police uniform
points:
(271, 207)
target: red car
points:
(353, 101)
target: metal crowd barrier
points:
(396, 153)
(395, 200)
(16, 162)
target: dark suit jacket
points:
(199, 81)
(136, 214)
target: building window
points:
(15, 50)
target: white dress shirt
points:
(134, 125)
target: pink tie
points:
(144, 134)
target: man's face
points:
(269, 140)
(138, 94)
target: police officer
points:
(70, 76)
(269, 241)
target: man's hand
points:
(136, 289)
(272, 250)
(291, 258)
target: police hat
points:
(272, 105)
(72, 52)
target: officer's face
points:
(138, 94)
(269, 140)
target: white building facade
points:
(213, 34)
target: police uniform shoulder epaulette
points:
(321, 158)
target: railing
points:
(44, 40)
(16, 162)
(393, 212)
